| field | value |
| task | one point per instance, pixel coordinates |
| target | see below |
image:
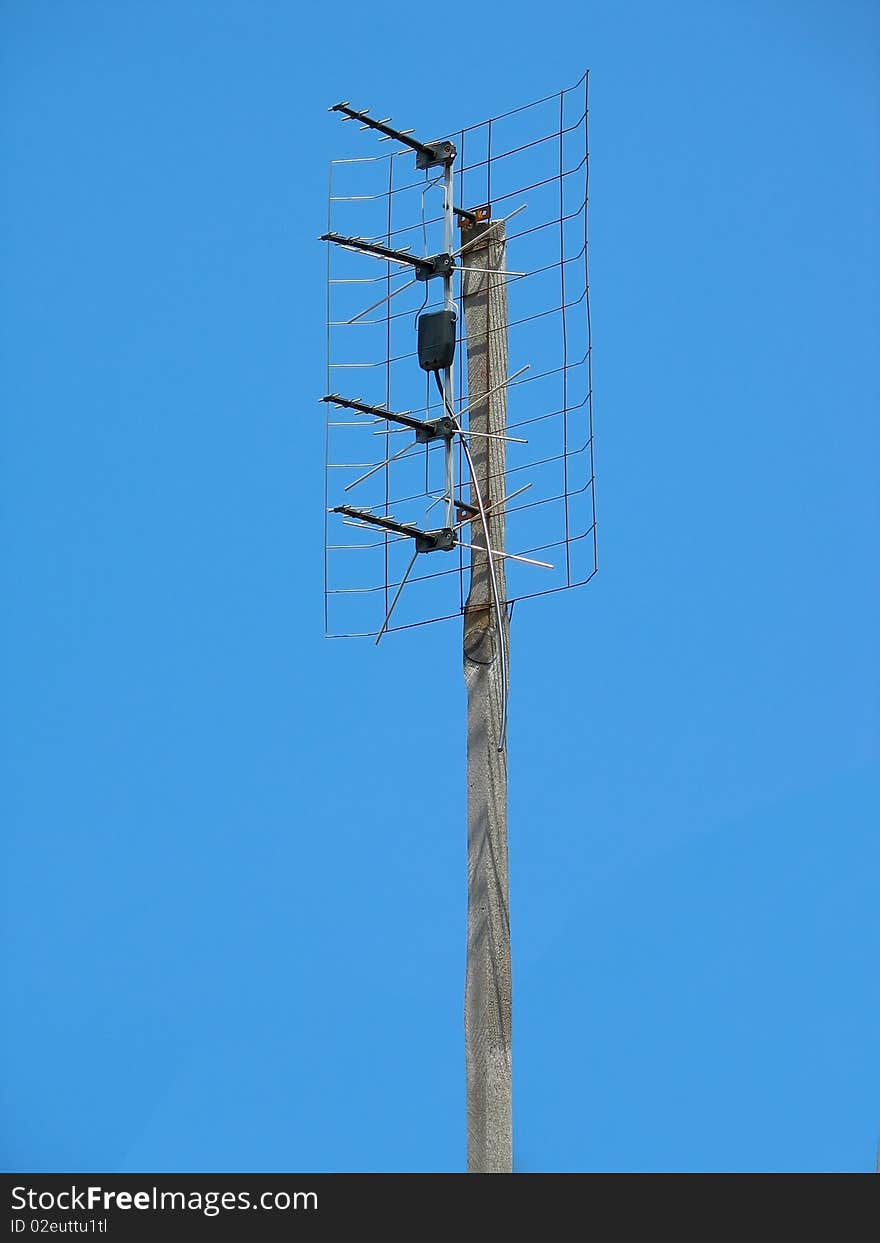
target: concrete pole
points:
(487, 1005)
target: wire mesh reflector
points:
(531, 168)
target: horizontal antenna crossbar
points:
(428, 154)
(425, 429)
(425, 266)
(426, 541)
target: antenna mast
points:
(486, 650)
(443, 482)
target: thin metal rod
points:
(396, 597)
(435, 500)
(345, 323)
(449, 305)
(508, 556)
(513, 495)
(378, 466)
(492, 271)
(514, 440)
(364, 526)
(510, 379)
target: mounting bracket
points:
(442, 540)
(434, 265)
(433, 153)
(435, 429)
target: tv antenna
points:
(438, 503)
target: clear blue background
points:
(234, 927)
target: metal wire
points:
(535, 156)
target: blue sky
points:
(235, 931)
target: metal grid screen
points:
(530, 167)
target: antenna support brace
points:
(467, 218)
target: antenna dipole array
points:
(403, 521)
